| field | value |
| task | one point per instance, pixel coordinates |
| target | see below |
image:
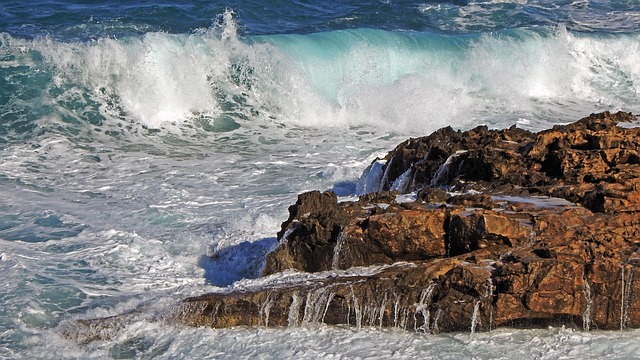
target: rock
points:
(559, 266)
(475, 230)
(483, 269)
(380, 298)
(591, 162)
(497, 256)
(472, 200)
(430, 194)
(340, 236)
(311, 232)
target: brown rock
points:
(433, 195)
(579, 162)
(473, 200)
(474, 263)
(469, 231)
(410, 234)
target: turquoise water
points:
(139, 140)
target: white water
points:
(154, 340)
(423, 306)
(122, 228)
(442, 173)
(400, 82)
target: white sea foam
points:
(145, 339)
(537, 201)
(405, 82)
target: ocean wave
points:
(409, 82)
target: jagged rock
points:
(569, 267)
(538, 267)
(472, 200)
(312, 230)
(356, 234)
(483, 229)
(548, 264)
(429, 194)
(476, 261)
(591, 162)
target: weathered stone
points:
(468, 262)
(469, 231)
(472, 200)
(578, 162)
(565, 268)
(360, 234)
(430, 194)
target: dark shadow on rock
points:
(244, 260)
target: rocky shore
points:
(461, 231)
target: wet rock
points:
(430, 194)
(381, 298)
(534, 267)
(591, 162)
(493, 257)
(469, 231)
(365, 232)
(483, 201)
(409, 234)
(311, 232)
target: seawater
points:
(149, 151)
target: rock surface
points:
(482, 246)
(592, 162)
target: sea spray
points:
(488, 298)
(357, 308)
(265, 310)
(172, 133)
(436, 322)
(385, 177)
(623, 307)
(484, 300)
(443, 171)
(402, 183)
(316, 305)
(626, 283)
(382, 310)
(216, 80)
(396, 311)
(371, 179)
(330, 297)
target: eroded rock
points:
(591, 162)
(498, 256)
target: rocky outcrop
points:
(592, 162)
(505, 228)
(356, 234)
(518, 264)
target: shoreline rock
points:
(592, 162)
(506, 228)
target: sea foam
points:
(407, 82)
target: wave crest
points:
(405, 82)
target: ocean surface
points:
(149, 150)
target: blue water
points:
(149, 150)
(84, 20)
